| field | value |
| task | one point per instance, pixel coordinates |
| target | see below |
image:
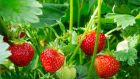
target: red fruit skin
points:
(22, 34)
(88, 42)
(22, 54)
(106, 66)
(52, 60)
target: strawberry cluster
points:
(52, 60)
(106, 65)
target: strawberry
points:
(88, 42)
(52, 60)
(106, 66)
(66, 72)
(22, 54)
(22, 34)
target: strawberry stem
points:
(71, 19)
(96, 42)
(80, 58)
(115, 29)
(79, 9)
(108, 46)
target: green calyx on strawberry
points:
(66, 72)
(22, 53)
(88, 42)
(106, 66)
(52, 60)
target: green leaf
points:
(4, 53)
(132, 56)
(115, 2)
(51, 14)
(83, 6)
(105, 8)
(122, 9)
(87, 6)
(131, 31)
(75, 14)
(110, 15)
(122, 20)
(82, 72)
(128, 55)
(130, 42)
(134, 41)
(135, 11)
(135, 2)
(91, 2)
(20, 11)
(67, 49)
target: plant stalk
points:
(115, 29)
(96, 42)
(79, 9)
(71, 19)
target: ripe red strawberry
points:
(22, 54)
(51, 60)
(106, 66)
(89, 41)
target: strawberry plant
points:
(69, 39)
